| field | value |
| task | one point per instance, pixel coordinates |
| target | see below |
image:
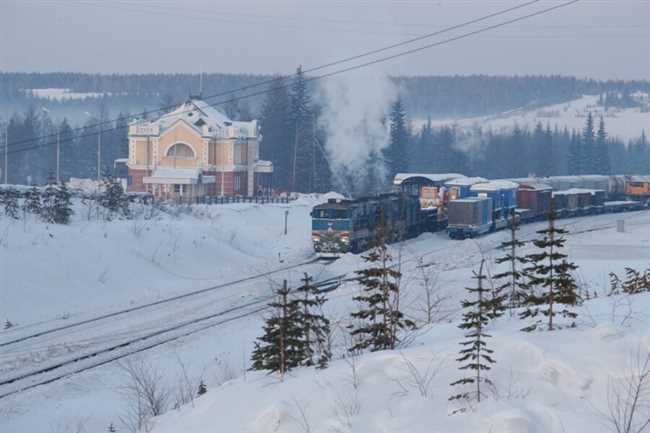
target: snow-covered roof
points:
(535, 186)
(164, 175)
(573, 191)
(434, 177)
(494, 185)
(640, 178)
(469, 199)
(205, 119)
(465, 181)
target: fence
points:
(235, 199)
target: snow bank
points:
(544, 382)
(93, 264)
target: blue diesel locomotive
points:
(341, 226)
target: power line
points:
(312, 69)
(350, 68)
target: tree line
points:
(296, 143)
(423, 95)
(520, 152)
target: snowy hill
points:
(544, 382)
(625, 123)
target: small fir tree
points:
(48, 207)
(315, 326)
(547, 273)
(567, 291)
(62, 205)
(202, 389)
(614, 284)
(32, 202)
(475, 356)
(114, 199)
(281, 348)
(379, 313)
(512, 280)
(633, 283)
(111, 428)
(9, 198)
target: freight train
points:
(467, 206)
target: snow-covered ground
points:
(622, 123)
(544, 382)
(91, 267)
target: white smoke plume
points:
(355, 112)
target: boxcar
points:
(536, 197)
(503, 194)
(469, 217)
(638, 187)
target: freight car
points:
(467, 207)
(341, 226)
(430, 188)
(504, 198)
(536, 199)
(638, 187)
(470, 217)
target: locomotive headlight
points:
(315, 238)
(345, 239)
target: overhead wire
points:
(345, 60)
(311, 69)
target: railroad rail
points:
(114, 352)
(155, 303)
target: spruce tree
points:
(48, 208)
(62, 204)
(397, 152)
(202, 389)
(601, 154)
(32, 202)
(567, 291)
(633, 283)
(114, 199)
(548, 273)
(281, 348)
(277, 127)
(575, 162)
(315, 326)
(588, 147)
(513, 279)
(303, 146)
(379, 313)
(9, 199)
(475, 356)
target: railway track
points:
(95, 358)
(129, 346)
(140, 307)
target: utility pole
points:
(99, 154)
(58, 155)
(6, 151)
(286, 218)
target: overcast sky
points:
(594, 38)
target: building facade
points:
(195, 151)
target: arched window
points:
(180, 150)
